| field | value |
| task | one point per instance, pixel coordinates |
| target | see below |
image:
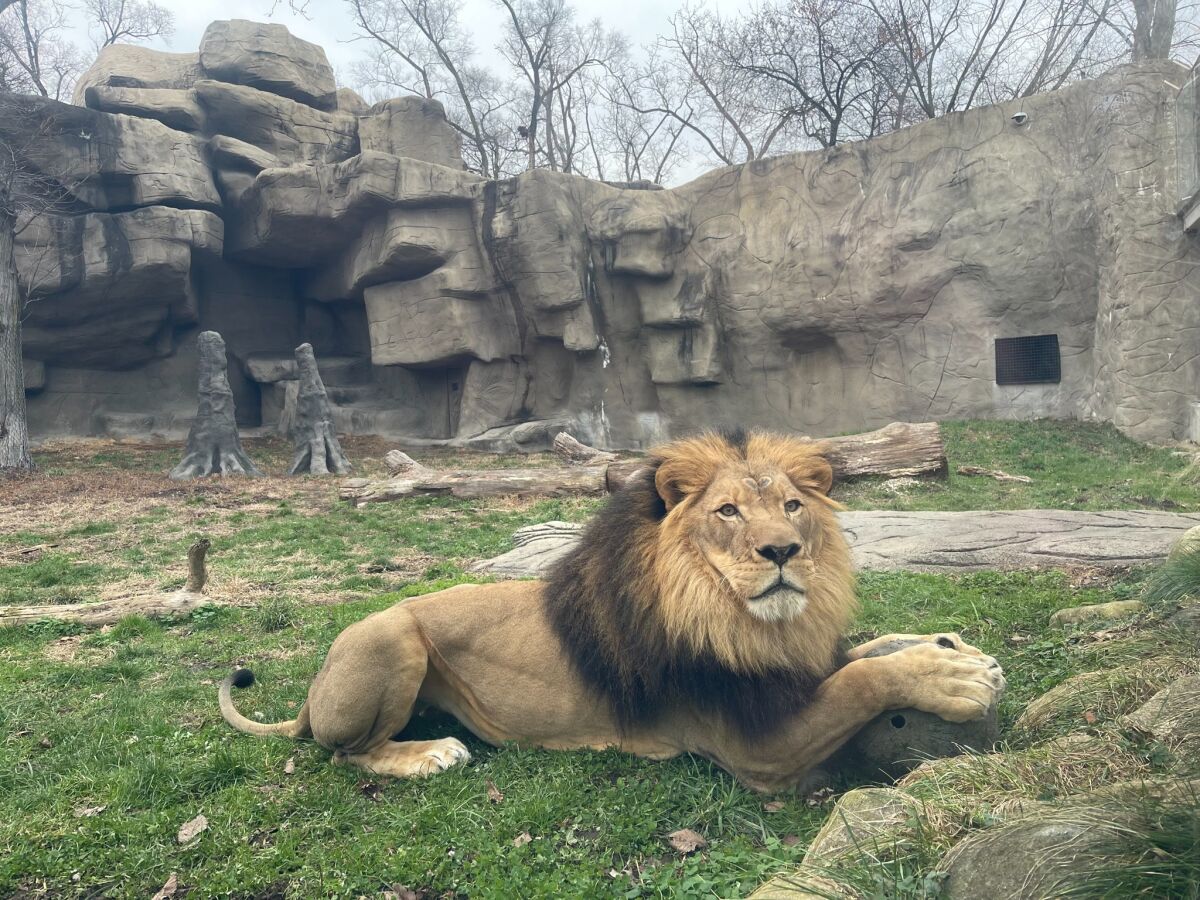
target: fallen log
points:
(899, 449)
(895, 450)
(574, 452)
(473, 484)
(107, 612)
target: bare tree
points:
(38, 57)
(424, 47)
(1154, 29)
(128, 21)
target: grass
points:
(127, 720)
(110, 741)
(1074, 465)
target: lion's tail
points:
(243, 678)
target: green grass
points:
(132, 726)
(1074, 465)
(129, 722)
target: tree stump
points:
(213, 446)
(317, 449)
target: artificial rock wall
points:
(238, 189)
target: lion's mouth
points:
(777, 588)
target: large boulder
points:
(270, 58)
(1171, 717)
(107, 289)
(131, 66)
(173, 107)
(103, 161)
(413, 127)
(290, 131)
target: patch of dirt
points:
(63, 649)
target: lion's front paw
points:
(440, 756)
(957, 684)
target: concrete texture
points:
(821, 292)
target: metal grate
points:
(1028, 360)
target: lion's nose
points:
(779, 553)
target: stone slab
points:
(938, 541)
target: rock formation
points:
(213, 446)
(317, 449)
(238, 189)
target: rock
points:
(1172, 716)
(131, 66)
(231, 153)
(411, 127)
(1188, 542)
(304, 216)
(104, 287)
(1096, 613)
(1186, 618)
(865, 823)
(270, 58)
(173, 107)
(1102, 696)
(34, 375)
(104, 161)
(804, 884)
(816, 293)
(957, 541)
(289, 131)
(1061, 849)
(348, 101)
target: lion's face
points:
(759, 520)
(758, 531)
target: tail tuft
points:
(242, 678)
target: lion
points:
(702, 612)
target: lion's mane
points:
(650, 626)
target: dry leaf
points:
(790, 840)
(774, 805)
(1090, 717)
(86, 812)
(370, 790)
(45, 743)
(686, 841)
(167, 890)
(522, 839)
(289, 767)
(189, 831)
(494, 792)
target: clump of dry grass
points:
(1095, 698)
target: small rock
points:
(866, 819)
(803, 885)
(1097, 612)
(1188, 541)
(1187, 618)
(1171, 716)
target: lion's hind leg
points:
(365, 695)
(409, 759)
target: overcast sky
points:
(328, 22)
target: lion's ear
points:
(676, 477)
(812, 471)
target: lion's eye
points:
(728, 510)
(792, 505)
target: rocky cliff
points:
(237, 189)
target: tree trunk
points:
(106, 612)
(894, 450)
(572, 451)
(1153, 29)
(477, 483)
(213, 445)
(317, 449)
(14, 430)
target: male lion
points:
(701, 613)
